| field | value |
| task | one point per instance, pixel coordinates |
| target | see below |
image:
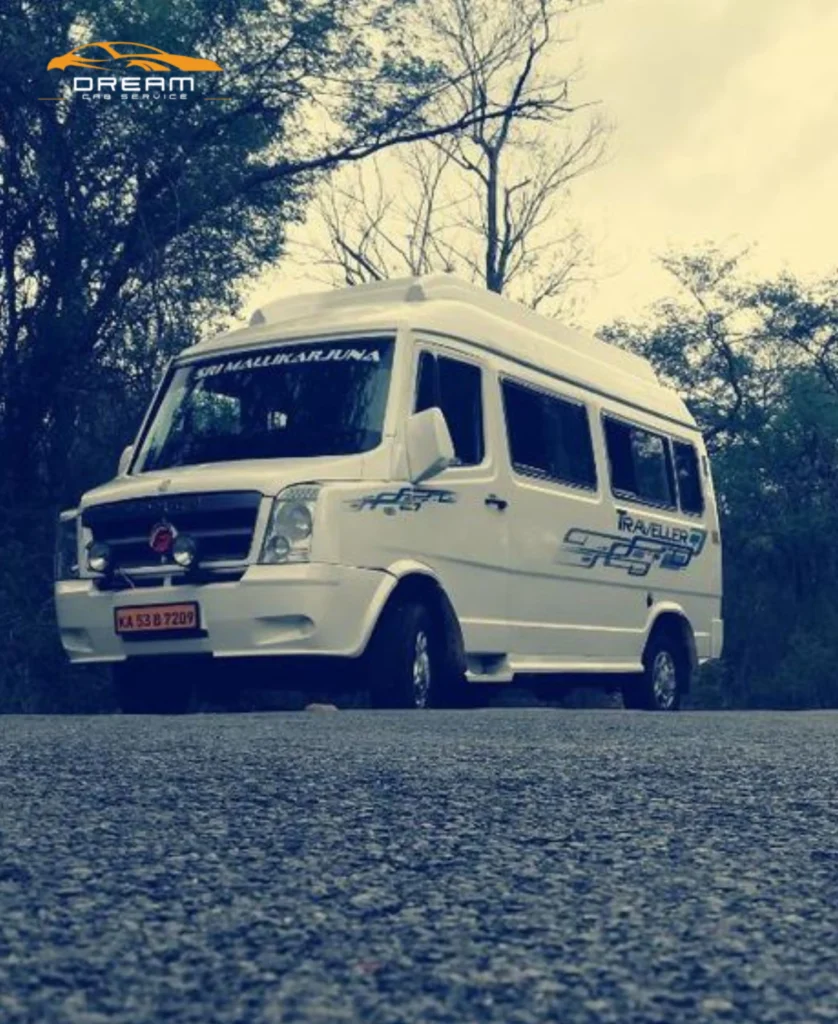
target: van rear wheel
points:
(403, 664)
(150, 686)
(663, 681)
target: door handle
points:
(493, 500)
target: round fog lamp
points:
(98, 557)
(184, 551)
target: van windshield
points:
(289, 401)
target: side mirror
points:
(125, 460)
(429, 445)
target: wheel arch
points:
(418, 582)
(671, 618)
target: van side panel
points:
(562, 576)
(444, 523)
(379, 525)
(588, 569)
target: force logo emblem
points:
(162, 538)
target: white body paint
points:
(559, 580)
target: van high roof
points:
(446, 305)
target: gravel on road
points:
(509, 865)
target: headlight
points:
(67, 546)
(290, 525)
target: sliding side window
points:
(688, 476)
(549, 437)
(641, 465)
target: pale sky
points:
(726, 130)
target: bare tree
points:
(487, 200)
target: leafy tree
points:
(489, 201)
(754, 361)
(127, 227)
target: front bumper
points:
(311, 609)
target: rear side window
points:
(456, 388)
(641, 466)
(549, 437)
(688, 476)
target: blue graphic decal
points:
(406, 499)
(650, 544)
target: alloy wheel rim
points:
(664, 680)
(421, 670)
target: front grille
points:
(221, 524)
(195, 578)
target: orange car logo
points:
(106, 56)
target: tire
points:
(404, 666)
(663, 682)
(151, 686)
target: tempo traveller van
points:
(413, 484)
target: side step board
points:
(500, 668)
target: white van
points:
(414, 484)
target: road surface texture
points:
(507, 864)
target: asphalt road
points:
(509, 865)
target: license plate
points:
(156, 618)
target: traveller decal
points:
(648, 544)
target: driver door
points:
(464, 536)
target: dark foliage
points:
(755, 362)
(127, 229)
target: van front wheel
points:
(662, 683)
(403, 666)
